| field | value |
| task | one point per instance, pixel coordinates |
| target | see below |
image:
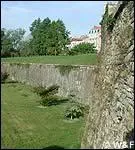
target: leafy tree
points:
(25, 48)
(38, 31)
(7, 48)
(49, 38)
(10, 41)
(62, 35)
(2, 34)
(16, 36)
(6, 43)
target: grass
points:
(26, 125)
(66, 60)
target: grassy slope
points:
(78, 59)
(24, 125)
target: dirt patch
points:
(41, 107)
(71, 121)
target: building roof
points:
(96, 28)
(81, 38)
(76, 39)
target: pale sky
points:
(78, 16)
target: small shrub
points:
(4, 76)
(48, 96)
(74, 112)
(77, 110)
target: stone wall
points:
(73, 80)
(111, 114)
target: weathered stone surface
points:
(129, 57)
(111, 116)
(79, 81)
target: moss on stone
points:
(11, 64)
(108, 20)
(15, 63)
(27, 65)
(65, 69)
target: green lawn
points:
(25, 125)
(77, 59)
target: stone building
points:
(77, 40)
(94, 36)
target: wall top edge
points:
(49, 64)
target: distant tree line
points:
(48, 38)
(10, 42)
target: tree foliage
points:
(49, 37)
(25, 48)
(83, 48)
(10, 41)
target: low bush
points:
(82, 48)
(76, 110)
(44, 92)
(48, 95)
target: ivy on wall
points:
(108, 20)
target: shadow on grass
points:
(58, 102)
(54, 147)
(25, 95)
(53, 101)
